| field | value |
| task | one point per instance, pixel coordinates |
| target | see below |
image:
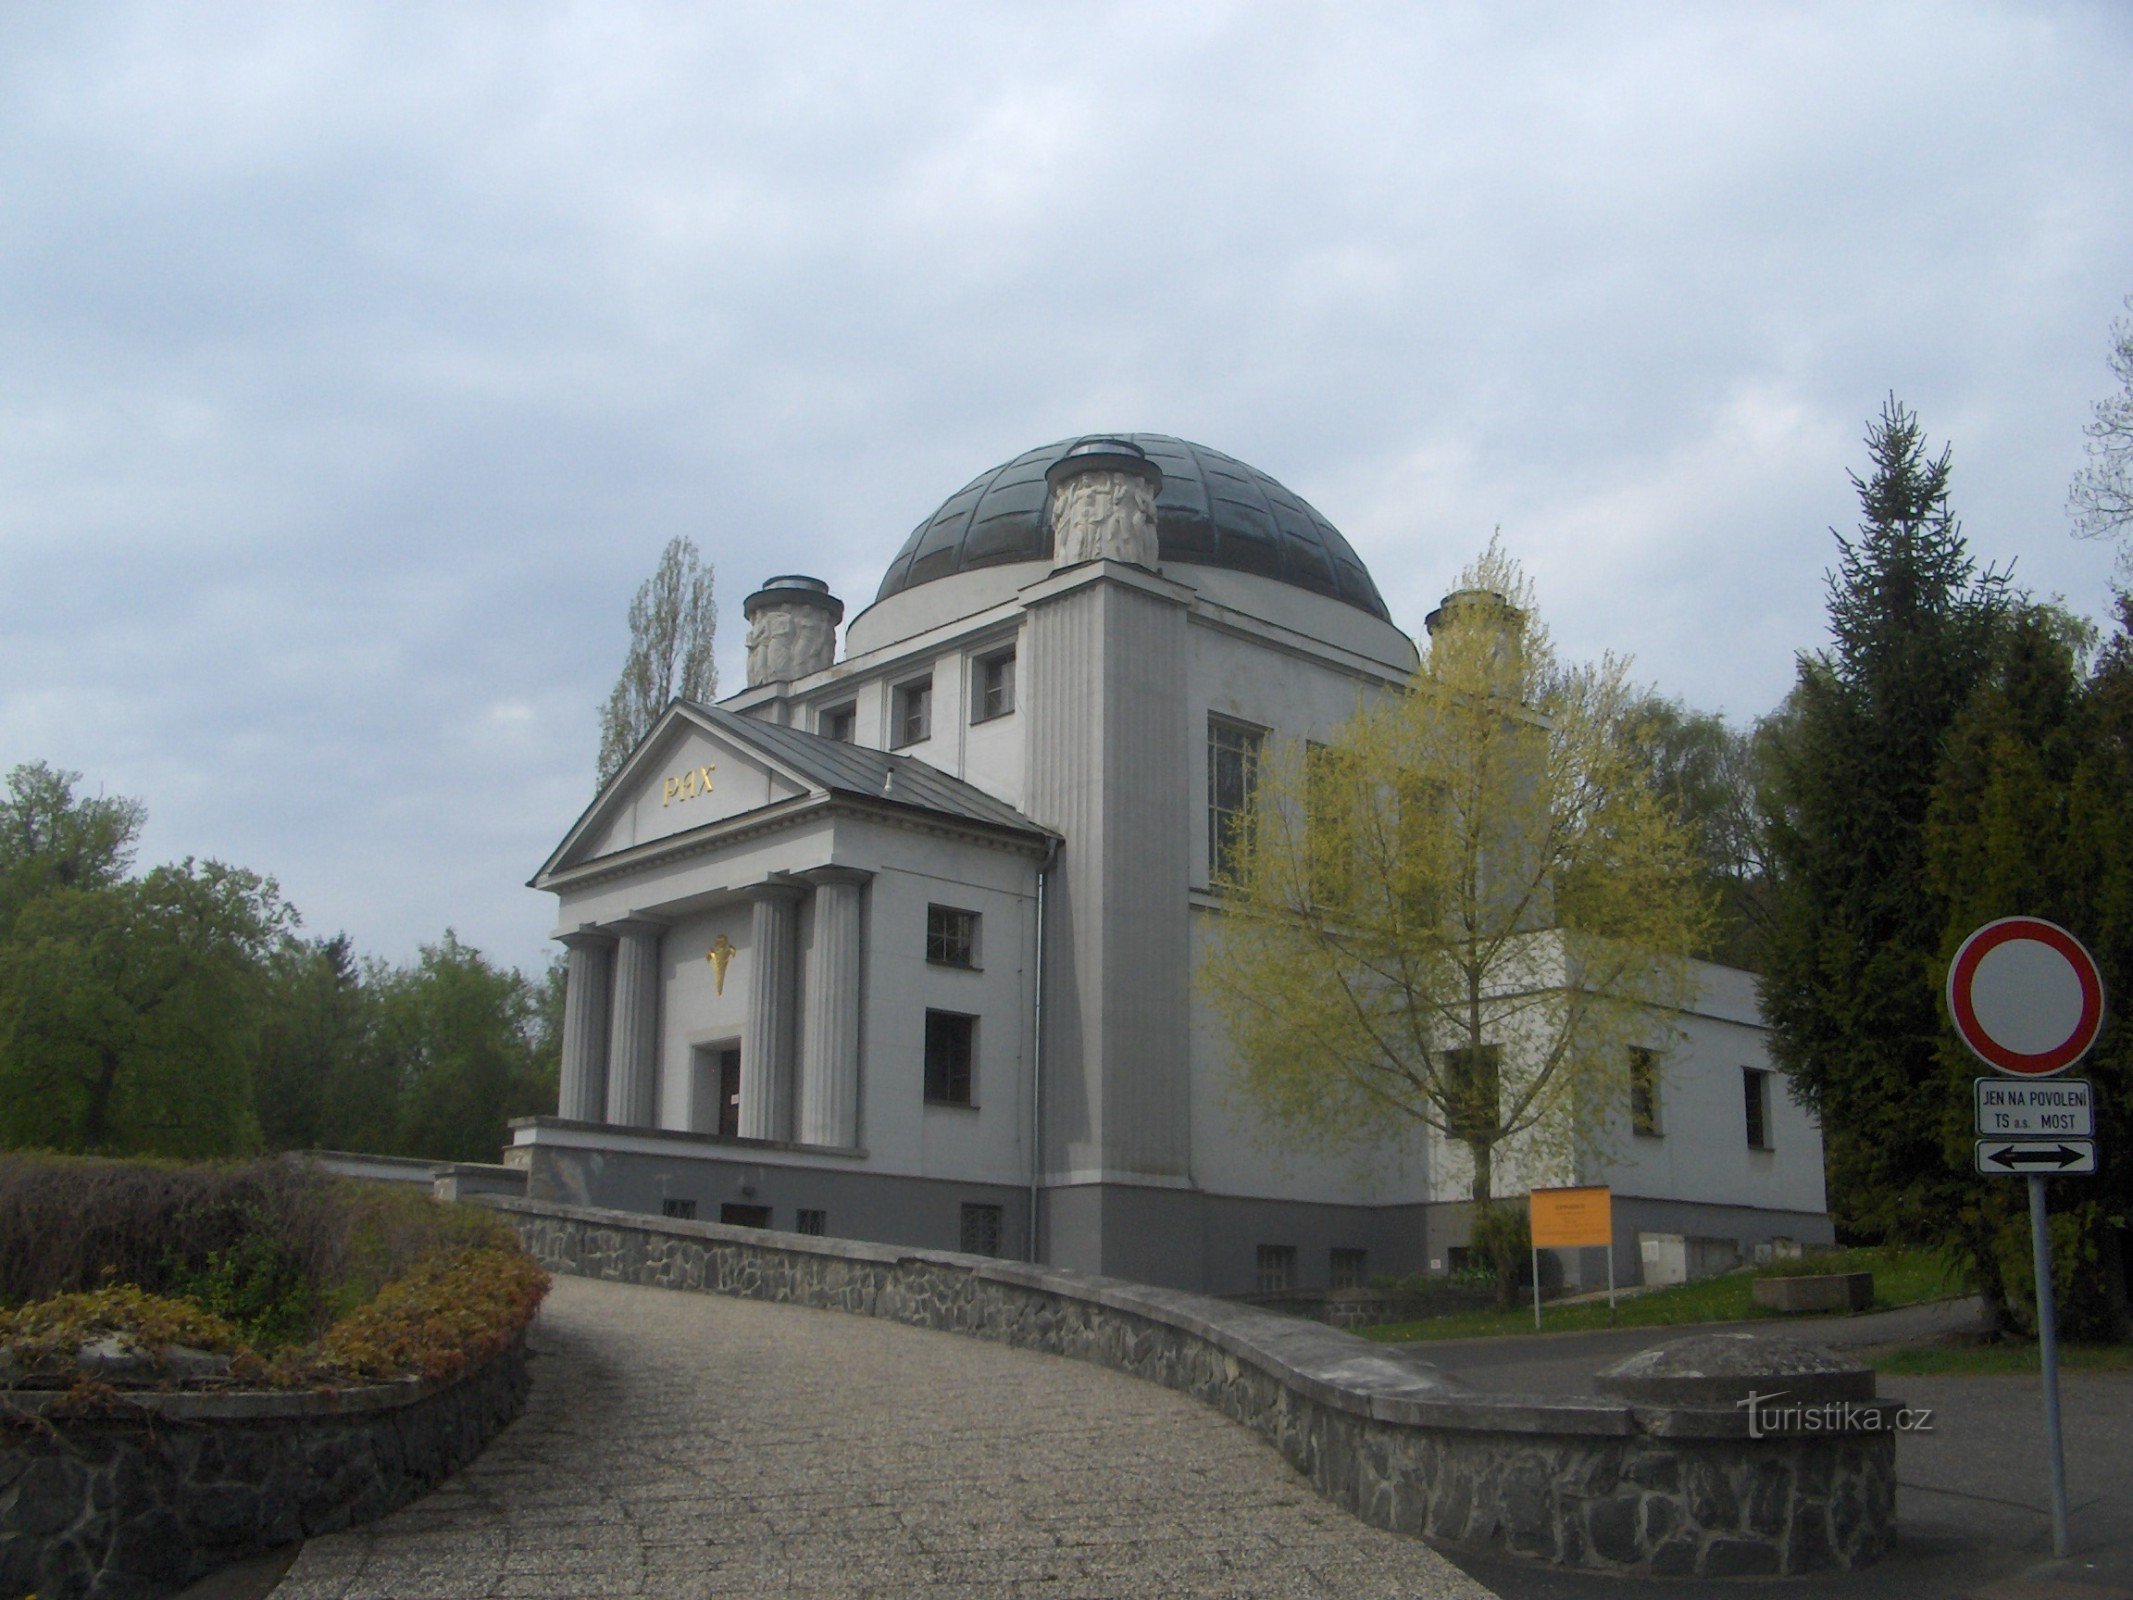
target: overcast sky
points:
(356, 361)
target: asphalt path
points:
(1972, 1506)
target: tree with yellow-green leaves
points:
(1467, 910)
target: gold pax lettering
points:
(696, 781)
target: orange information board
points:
(1565, 1219)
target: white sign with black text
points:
(2058, 1108)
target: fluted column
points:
(773, 983)
(584, 1094)
(829, 1064)
(633, 1033)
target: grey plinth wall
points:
(141, 1502)
(1655, 1490)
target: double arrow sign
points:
(2035, 1155)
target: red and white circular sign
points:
(2026, 996)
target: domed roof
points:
(1214, 511)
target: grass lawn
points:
(1901, 1278)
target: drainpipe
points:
(1036, 1055)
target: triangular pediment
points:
(686, 775)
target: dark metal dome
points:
(1213, 511)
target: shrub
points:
(455, 1308)
(333, 1279)
(36, 1334)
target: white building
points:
(899, 946)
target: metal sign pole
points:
(2032, 1027)
(2040, 1244)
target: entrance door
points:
(729, 1090)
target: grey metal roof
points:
(1214, 511)
(851, 769)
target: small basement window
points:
(1277, 1268)
(809, 1219)
(680, 1210)
(1350, 1269)
(981, 1230)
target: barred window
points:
(809, 1220)
(1232, 776)
(681, 1210)
(981, 1230)
(1277, 1268)
(951, 936)
(1350, 1269)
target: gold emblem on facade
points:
(696, 781)
(718, 955)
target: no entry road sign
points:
(2028, 1001)
(2025, 997)
(2056, 1158)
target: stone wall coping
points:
(224, 1405)
(1334, 1368)
(1731, 1422)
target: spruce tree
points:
(1849, 987)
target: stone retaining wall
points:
(1633, 1489)
(140, 1503)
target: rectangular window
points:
(734, 1214)
(1350, 1269)
(981, 1230)
(809, 1220)
(1755, 1093)
(1277, 1268)
(1644, 1092)
(1232, 775)
(838, 722)
(951, 936)
(680, 1210)
(1473, 1088)
(951, 1047)
(913, 719)
(729, 1092)
(992, 686)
